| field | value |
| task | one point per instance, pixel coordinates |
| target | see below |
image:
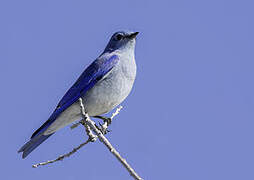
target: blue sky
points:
(189, 116)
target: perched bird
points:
(102, 86)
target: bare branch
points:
(103, 126)
(116, 112)
(91, 138)
(91, 127)
(60, 158)
(89, 132)
(73, 126)
(105, 141)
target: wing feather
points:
(93, 73)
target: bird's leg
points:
(107, 120)
(104, 127)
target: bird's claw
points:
(105, 119)
(108, 120)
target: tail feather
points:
(36, 139)
(32, 144)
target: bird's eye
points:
(119, 37)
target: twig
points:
(91, 126)
(105, 124)
(75, 125)
(89, 132)
(105, 141)
(91, 138)
(116, 112)
(63, 156)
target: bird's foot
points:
(104, 127)
(105, 119)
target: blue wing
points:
(93, 73)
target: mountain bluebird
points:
(102, 86)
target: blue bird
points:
(102, 86)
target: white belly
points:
(68, 116)
(103, 97)
(107, 94)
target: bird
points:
(103, 85)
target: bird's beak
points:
(133, 35)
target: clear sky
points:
(190, 114)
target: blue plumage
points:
(32, 144)
(101, 92)
(95, 72)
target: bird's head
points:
(121, 40)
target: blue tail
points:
(36, 139)
(32, 144)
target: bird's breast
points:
(112, 90)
